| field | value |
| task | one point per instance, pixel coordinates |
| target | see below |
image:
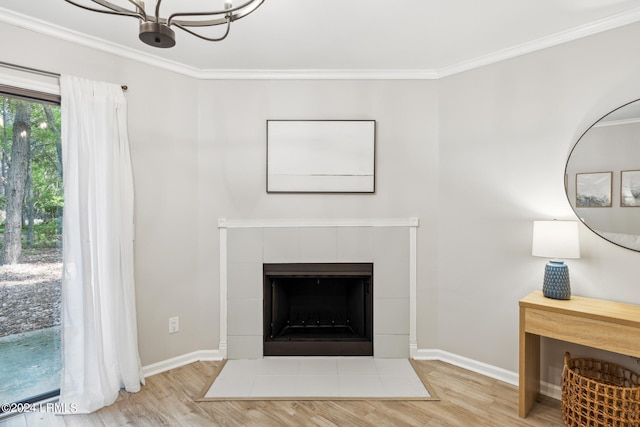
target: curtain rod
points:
(38, 71)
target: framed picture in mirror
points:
(630, 188)
(593, 189)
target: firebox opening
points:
(318, 309)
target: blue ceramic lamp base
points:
(556, 280)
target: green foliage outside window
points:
(43, 199)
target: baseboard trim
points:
(551, 390)
(469, 364)
(178, 361)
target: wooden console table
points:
(595, 323)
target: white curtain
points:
(99, 330)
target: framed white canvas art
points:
(321, 156)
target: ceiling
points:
(375, 38)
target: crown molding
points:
(605, 24)
(318, 75)
(61, 33)
(65, 34)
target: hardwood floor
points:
(467, 399)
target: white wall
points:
(476, 156)
(505, 133)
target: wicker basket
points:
(599, 394)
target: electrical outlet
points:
(174, 325)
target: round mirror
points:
(602, 177)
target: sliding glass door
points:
(31, 203)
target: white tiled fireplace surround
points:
(390, 244)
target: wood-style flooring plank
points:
(167, 399)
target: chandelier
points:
(157, 32)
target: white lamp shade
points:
(556, 239)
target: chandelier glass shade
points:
(157, 31)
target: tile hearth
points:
(317, 378)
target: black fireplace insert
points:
(319, 309)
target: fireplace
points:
(320, 309)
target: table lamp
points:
(554, 240)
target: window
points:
(31, 203)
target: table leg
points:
(529, 369)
